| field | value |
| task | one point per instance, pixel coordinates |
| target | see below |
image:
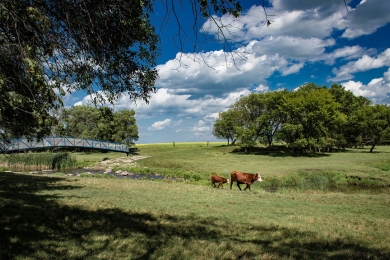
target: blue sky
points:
(315, 41)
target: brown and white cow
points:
(244, 178)
(220, 180)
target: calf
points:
(244, 178)
(220, 180)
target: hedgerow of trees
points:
(311, 118)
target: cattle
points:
(220, 180)
(244, 178)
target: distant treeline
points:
(309, 118)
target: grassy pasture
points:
(216, 158)
(58, 217)
(86, 218)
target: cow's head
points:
(258, 177)
(227, 180)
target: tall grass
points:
(39, 161)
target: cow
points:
(244, 178)
(220, 180)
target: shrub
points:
(196, 177)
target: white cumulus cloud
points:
(377, 90)
(365, 63)
(159, 125)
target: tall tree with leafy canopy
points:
(125, 127)
(107, 48)
(249, 128)
(313, 111)
(374, 122)
(225, 126)
(348, 133)
(272, 118)
(98, 123)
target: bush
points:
(196, 177)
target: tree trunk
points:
(373, 145)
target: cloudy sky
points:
(319, 41)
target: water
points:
(77, 172)
(129, 175)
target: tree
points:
(125, 127)
(348, 133)
(374, 122)
(98, 123)
(272, 117)
(248, 128)
(225, 126)
(105, 48)
(313, 111)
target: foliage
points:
(98, 123)
(310, 117)
(225, 126)
(374, 122)
(348, 133)
(48, 48)
(314, 111)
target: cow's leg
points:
(238, 185)
(231, 183)
(248, 186)
(213, 184)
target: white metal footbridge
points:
(20, 144)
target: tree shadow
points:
(277, 151)
(32, 223)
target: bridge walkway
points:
(21, 144)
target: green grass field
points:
(204, 160)
(59, 217)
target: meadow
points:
(61, 217)
(277, 166)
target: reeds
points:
(40, 161)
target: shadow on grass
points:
(277, 151)
(36, 226)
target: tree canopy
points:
(105, 48)
(98, 123)
(310, 117)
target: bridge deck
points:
(20, 144)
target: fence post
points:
(173, 144)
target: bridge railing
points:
(19, 144)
